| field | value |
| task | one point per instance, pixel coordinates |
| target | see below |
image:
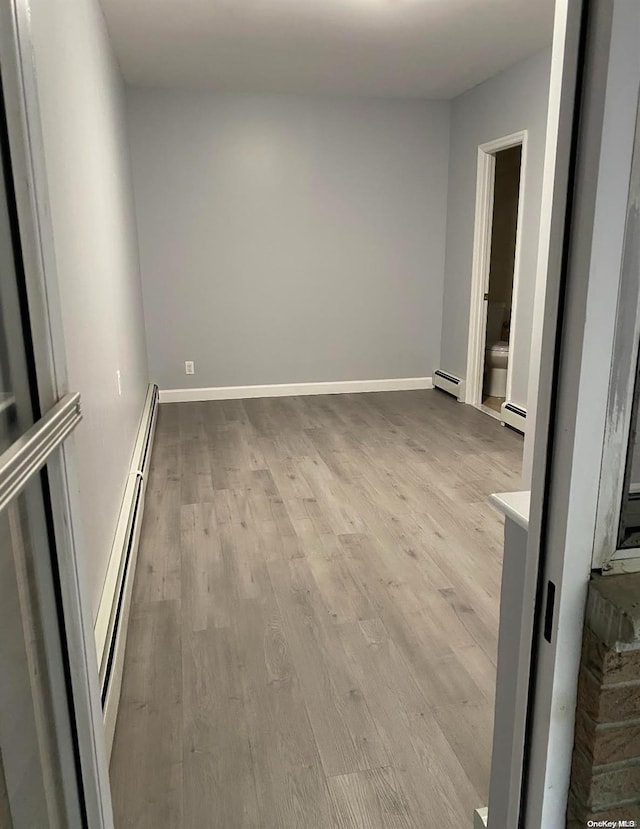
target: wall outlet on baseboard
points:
(189, 367)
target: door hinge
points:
(486, 297)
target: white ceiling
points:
(406, 48)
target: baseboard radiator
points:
(514, 416)
(113, 614)
(449, 383)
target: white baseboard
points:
(110, 629)
(514, 416)
(294, 389)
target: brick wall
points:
(605, 778)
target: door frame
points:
(592, 160)
(485, 185)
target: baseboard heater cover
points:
(113, 613)
(514, 416)
(449, 383)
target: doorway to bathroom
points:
(496, 256)
(501, 269)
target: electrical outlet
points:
(188, 367)
(119, 381)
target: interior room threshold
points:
(489, 411)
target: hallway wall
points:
(289, 239)
(88, 172)
(512, 101)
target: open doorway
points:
(501, 270)
(499, 199)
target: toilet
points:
(495, 366)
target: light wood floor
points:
(314, 620)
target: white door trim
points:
(482, 257)
(579, 322)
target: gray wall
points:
(88, 171)
(514, 100)
(289, 239)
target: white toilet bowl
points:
(495, 366)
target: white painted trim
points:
(480, 818)
(106, 618)
(512, 419)
(554, 196)
(569, 406)
(294, 389)
(479, 275)
(513, 505)
(482, 258)
(515, 287)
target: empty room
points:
(287, 272)
(313, 620)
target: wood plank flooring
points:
(314, 620)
